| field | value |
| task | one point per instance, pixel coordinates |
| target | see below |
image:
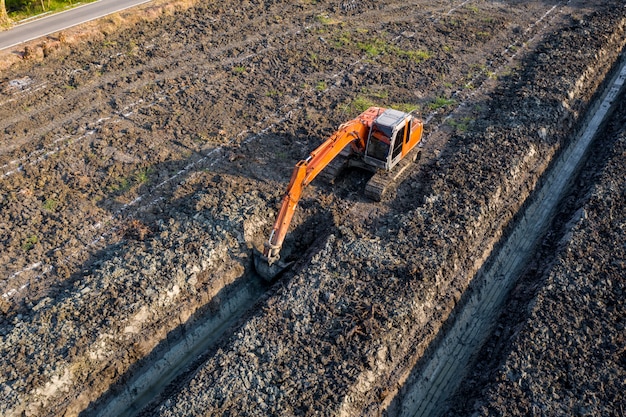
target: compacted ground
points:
(138, 169)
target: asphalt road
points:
(56, 22)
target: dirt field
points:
(138, 170)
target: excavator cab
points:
(391, 137)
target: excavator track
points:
(383, 181)
(334, 168)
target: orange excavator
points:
(380, 140)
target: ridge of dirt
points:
(439, 372)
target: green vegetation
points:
(376, 47)
(321, 86)
(361, 104)
(50, 204)
(121, 186)
(483, 35)
(405, 107)
(370, 97)
(441, 102)
(480, 69)
(30, 242)
(143, 175)
(372, 48)
(137, 178)
(22, 9)
(342, 40)
(380, 94)
(358, 105)
(239, 69)
(326, 20)
(461, 125)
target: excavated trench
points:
(176, 357)
(170, 359)
(437, 377)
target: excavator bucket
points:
(267, 271)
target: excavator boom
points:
(381, 140)
(352, 133)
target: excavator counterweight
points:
(377, 140)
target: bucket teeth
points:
(265, 270)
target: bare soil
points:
(565, 353)
(139, 168)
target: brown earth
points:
(139, 168)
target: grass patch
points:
(379, 94)
(121, 186)
(416, 56)
(441, 102)
(137, 178)
(50, 205)
(143, 175)
(358, 105)
(321, 86)
(342, 40)
(30, 242)
(461, 125)
(20, 10)
(361, 104)
(376, 47)
(405, 107)
(326, 20)
(372, 48)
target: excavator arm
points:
(352, 133)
